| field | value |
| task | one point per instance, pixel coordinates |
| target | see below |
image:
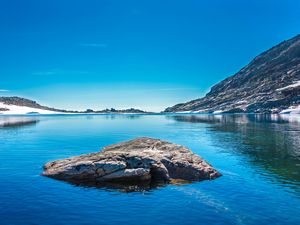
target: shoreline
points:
(150, 113)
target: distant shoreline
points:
(145, 114)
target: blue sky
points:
(132, 53)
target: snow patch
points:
(218, 112)
(291, 110)
(241, 102)
(296, 84)
(21, 110)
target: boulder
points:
(136, 161)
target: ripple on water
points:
(257, 155)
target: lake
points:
(258, 155)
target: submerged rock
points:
(142, 160)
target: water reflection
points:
(124, 187)
(17, 121)
(123, 116)
(114, 116)
(239, 119)
(269, 141)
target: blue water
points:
(259, 158)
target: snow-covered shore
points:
(22, 110)
(291, 110)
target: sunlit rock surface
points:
(143, 160)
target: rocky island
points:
(139, 161)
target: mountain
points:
(270, 83)
(17, 105)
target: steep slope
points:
(269, 83)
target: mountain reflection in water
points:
(269, 141)
(17, 121)
(257, 154)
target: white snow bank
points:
(218, 112)
(21, 110)
(296, 84)
(291, 110)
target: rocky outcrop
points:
(269, 84)
(136, 161)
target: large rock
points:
(139, 160)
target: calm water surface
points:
(259, 157)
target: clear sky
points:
(148, 54)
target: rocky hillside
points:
(270, 83)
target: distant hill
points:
(270, 83)
(112, 110)
(17, 101)
(17, 105)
